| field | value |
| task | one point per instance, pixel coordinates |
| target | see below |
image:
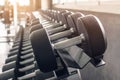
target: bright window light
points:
(23, 2)
(2, 2)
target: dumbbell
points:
(36, 20)
(26, 45)
(30, 20)
(96, 58)
(17, 72)
(73, 15)
(15, 50)
(12, 72)
(86, 39)
(25, 50)
(37, 26)
(71, 29)
(38, 75)
(47, 16)
(52, 15)
(71, 22)
(25, 58)
(15, 46)
(50, 31)
(43, 33)
(58, 17)
(14, 56)
(53, 25)
(60, 28)
(33, 22)
(28, 59)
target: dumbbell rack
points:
(17, 50)
(22, 63)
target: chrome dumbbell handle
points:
(27, 68)
(27, 61)
(51, 26)
(55, 30)
(27, 56)
(61, 34)
(31, 75)
(69, 42)
(7, 74)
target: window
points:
(24, 2)
(86, 2)
(2, 2)
(56, 1)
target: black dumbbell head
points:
(64, 17)
(36, 27)
(95, 39)
(43, 51)
(72, 20)
(35, 22)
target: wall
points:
(46, 4)
(96, 6)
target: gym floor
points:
(110, 71)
